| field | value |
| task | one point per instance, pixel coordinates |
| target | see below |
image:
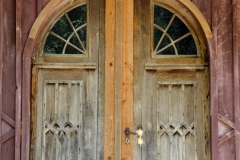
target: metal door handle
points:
(139, 132)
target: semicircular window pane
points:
(69, 34)
(171, 35)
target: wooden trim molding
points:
(66, 65)
(42, 16)
(152, 66)
(199, 17)
(18, 100)
(1, 66)
(109, 107)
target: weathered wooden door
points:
(66, 110)
(170, 84)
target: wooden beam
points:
(212, 46)
(110, 50)
(236, 66)
(18, 99)
(66, 66)
(127, 76)
(26, 85)
(1, 66)
(152, 66)
(118, 82)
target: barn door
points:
(171, 85)
(65, 86)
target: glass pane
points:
(162, 16)
(62, 28)
(53, 45)
(78, 16)
(74, 40)
(157, 36)
(186, 46)
(71, 50)
(83, 36)
(168, 51)
(166, 41)
(177, 29)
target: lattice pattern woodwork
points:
(62, 119)
(176, 119)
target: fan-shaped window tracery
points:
(69, 34)
(171, 35)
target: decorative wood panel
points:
(62, 120)
(176, 120)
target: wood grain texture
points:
(26, 94)
(19, 48)
(127, 76)
(1, 67)
(236, 64)
(199, 16)
(205, 7)
(101, 81)
(8, 77)
(110, 51)
(142, 79)
(118, 81)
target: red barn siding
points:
(8, 79)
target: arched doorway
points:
(175, 76)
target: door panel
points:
(66, 114)
(171, 103)
(67, 106)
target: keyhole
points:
(127, 141)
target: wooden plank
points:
(66, 65)
(144, 81)
(26, 85)
(19, 47)
(127, 76)
(226, 137)
(110, 50)
(34, 100)
(1, 68)
(152, 66)
(101, 81)
(90, 111)
(236, 63)
(212, 47)
(118, 82)
(214, 97)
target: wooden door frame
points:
(116, 31)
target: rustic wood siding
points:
(221, 16)
(7, 78)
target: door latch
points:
(139, 132)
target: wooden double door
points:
(83, 103)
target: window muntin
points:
(171, 36)
(69, 34)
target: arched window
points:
(69, 34)
(171, 35)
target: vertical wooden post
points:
(1, 68)
(236, 75)
(118, 82)
(213, 84)
(18, 77)
(127, 76)
(110, 48)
